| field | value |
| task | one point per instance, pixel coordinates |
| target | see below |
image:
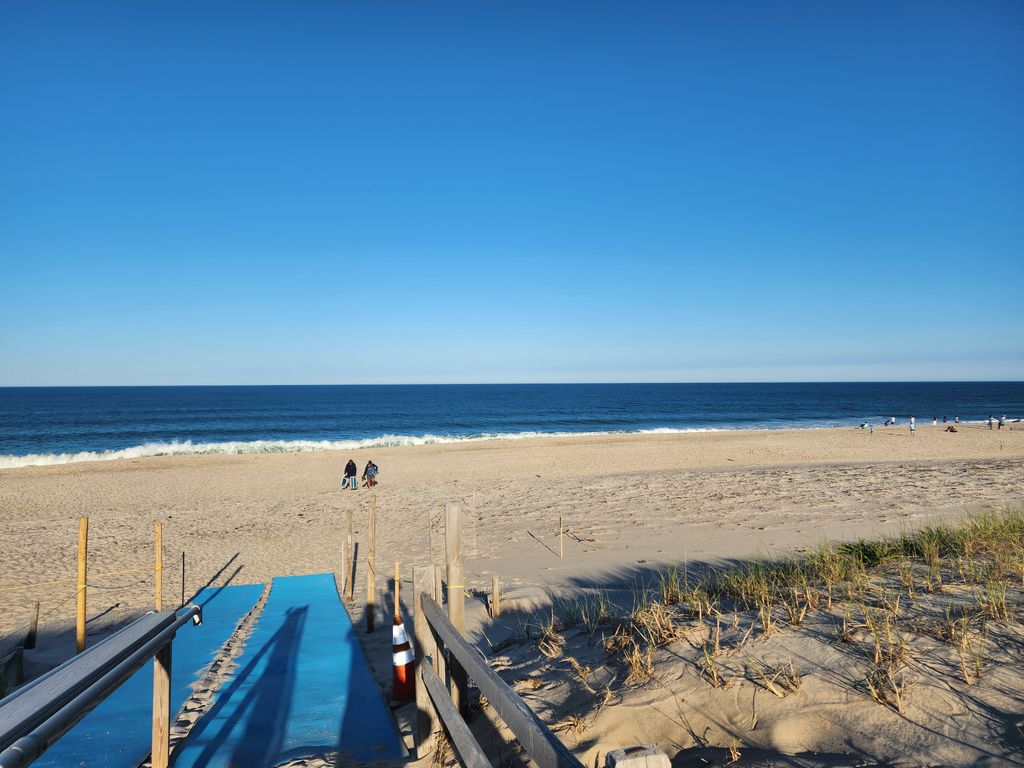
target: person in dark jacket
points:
(350, 475)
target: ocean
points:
(52, 425)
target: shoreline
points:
(387, 441)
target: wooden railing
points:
(442, 653)
(36, 715)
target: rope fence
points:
(84, 582)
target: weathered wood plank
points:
(459, 684)
(541, 745)
(463, 742)
(424, 647)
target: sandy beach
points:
(631, 503)
(630, 497)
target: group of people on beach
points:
(891, 422)
(369, 477)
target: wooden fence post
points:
(161, 707)
(425, 649)
(83, 558)
(159, 566)
(459, 685)
(441, 662)
(371, 566)
(495, 597)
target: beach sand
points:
(631, 504)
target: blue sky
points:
(331, 192)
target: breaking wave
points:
(189, 448)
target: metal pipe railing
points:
(31, 722)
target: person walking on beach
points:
(990, 420)
(370, 474)
(956, 419)
(350, 476)
(1002, 421)
(913, 426)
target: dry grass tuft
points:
(551, 642)
(574, 725)
(779, 681)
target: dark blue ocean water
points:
(51, 424)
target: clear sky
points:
(334, 192)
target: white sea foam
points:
(189, 448)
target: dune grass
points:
(952, 582)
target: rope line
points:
(117, 586)
(42, 616)
(27, 585)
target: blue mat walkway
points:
(302, 687)
(118, 733)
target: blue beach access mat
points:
(301, 688)
(119, 732)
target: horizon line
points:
(523, 383)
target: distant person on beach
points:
(913, 426)
(350, 475)
(956, 419)
(370, 474)
(943, 419)
(935, 421)
(990, 420)
(1002, 421)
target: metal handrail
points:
(540, 744)
(30, 722)
(22, 690)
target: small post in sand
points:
(425, 650)
(33, 630)
(371, 566)
(351, 547)
(159, 566)
(495, 597)
(346, 555)
(83, 557)
(398, 612)
(459, 685)
(561, 537)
